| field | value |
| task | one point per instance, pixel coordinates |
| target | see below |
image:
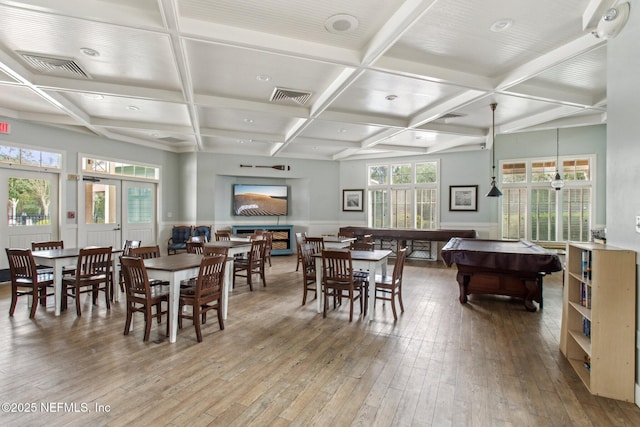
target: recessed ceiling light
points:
(89, 52)
(263, 78)
(341, 23)
(390, 97)
(342, 130)
(248, 120)
(133, 108)
(501, 25)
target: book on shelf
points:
(586, 327)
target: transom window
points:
(403, 195)
(22, 156)
(109, 167)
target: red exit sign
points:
(4, 127)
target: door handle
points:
(116, 229)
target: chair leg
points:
(196, 322)
(262, 275)
(326, 301)
(219, 311)
(158, 311)
(127, 323)
(34, 302)
(107, 295)
(304, 294)
(77, 297)
(14, 300)
(147, 322)
(393, 307)
(350, 305)
(400, 299)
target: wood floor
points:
(277, 363)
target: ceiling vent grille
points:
(171, 139)
(54, 65)
(290, 95)
(449, 116)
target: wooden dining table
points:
(58, 258)
(361, 260)
(184, 266)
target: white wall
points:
(623, 145)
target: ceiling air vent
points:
(171, 139)
(290, 95)
(54, 65)
(450, 116)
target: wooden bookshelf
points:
(598, 318)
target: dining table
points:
(372, 261)
(183, 266)
(59, 258)
(337, 242)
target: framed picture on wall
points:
(353, 200)
(463, 198)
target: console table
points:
(282, 236)
(420, 243)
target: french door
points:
(115, 211)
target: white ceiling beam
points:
(452, 129)
(536, 119)
(363, 119)
(555, 95)
(433, 112)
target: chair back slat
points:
(146, 252)
(210, 277)
(337, 267)
(94, 262)
(47, 246)
(317, 242)
(21, 265)
(135, 277)
(128, 245)
(215, 250)
(362, 246)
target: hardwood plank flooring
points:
(277, 363)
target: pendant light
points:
(557, 182)
(493, 192)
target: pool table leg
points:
(463, 282)
(534, 290)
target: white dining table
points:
(184, 266)
(58, 258)
(337, 242)
(360, 260)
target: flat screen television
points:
(260, 200)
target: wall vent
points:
(290, 95)
(54, 65)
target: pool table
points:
(500, 267)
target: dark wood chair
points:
(223, 235)
(26, 280)
(49, 245)
(251, 265)
(146, 252)
(178, 240)
(141, 296)
(317, 242)
(268, 236)
(126, 251)
(206, 295)
(93, 274)
(388, 288)
(195, 246)
(346, 234)
(215, 250)
(338, 281)
(308, 271)
(299, 242)
(362, 275)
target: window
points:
(29, 202)
(532, 210)
(403, 195)
(30, 157)
(108, 167)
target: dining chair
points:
(308, 271)
(215, 250)
(388, 288)
(346, 234)
(195, 246)
(147, 252)
(251, 265)
(205, 295)
(317, 242)
(126, 251)
(92, 275)
(299, 242)
(338, 281)
(362, 275)
(178, 240)
(141, 296)
(367, 238)
(49, 245)
(26, 280)
(268, 236)
(223, 235)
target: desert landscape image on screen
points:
(251, 200)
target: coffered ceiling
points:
(312, 79)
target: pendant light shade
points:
(494, 191)
(557, 182)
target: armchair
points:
(202, 230)
(178, 240)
